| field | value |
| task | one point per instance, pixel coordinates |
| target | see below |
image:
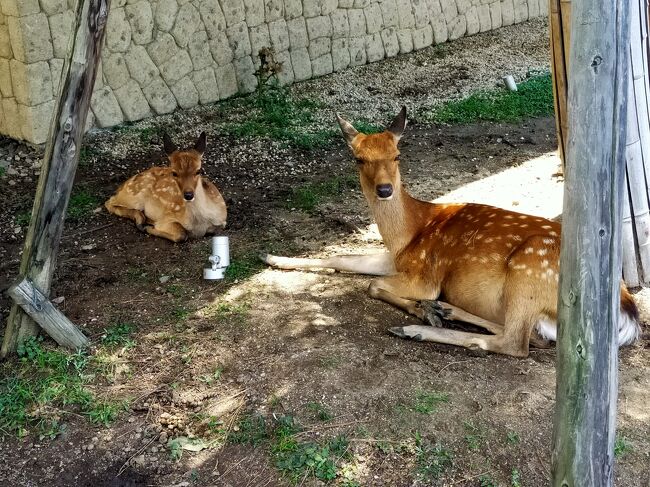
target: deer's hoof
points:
(404, 332)
(142, 227)
(434, 314)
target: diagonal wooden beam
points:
(42, 311)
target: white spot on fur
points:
(548, 241)
(554, 234)
(522, 217)
(544, 263)
(542, 252)
(529, 272)
(488, 240)
(508, 217)
(529, 250)
(547, 227)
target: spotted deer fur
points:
(495, 268)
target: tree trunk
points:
(590, 260)
(59, 163)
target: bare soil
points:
(284, 340)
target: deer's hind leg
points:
(173, 231)
(137, 216)
(370, 264)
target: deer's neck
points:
(400, 219)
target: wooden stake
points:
(39, 308)
(60, 162)
(590, 259)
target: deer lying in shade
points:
(173, 202)
(495, 268)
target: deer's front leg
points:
(371, 264)
(403, 292)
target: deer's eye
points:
(199, 172)
(174, 174)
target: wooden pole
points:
(59, 163)
(590, 259)
(39, 308)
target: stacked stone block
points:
(164, 55)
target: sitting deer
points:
(496, 268)
(173, 202)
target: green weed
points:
(487, 481)
(533, 98)
(367, 128)
(118, 335)
(512, 438)
(243, 267)
(474, 437)
(428, 402)
(23, 218)
(250, 430)
(515, 478)
(319, 411)
(308, 197)
(36, 393)
(621, 447)
(81, 205)
(3, 170)
(274, 113)
(431, 460)
(212, 378)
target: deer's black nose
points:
(188, 195)
(384, 190)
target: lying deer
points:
(173, 202)
(496, 269)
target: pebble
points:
(162, 438)
(139, 460)
(164, 279)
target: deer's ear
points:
(169, 146)
(199, 146)
(399, 124)
(349, 132)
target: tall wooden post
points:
(60, 162)
(590, 261)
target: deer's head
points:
(377, 156)
(185, 165)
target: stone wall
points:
(162, 55)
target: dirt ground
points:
(284, 341)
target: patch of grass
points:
(512, 438)
(297, 460)
(250, 430)
(331, 362)
(474, 437)
(87, 155)
(2, 171)
(147, 134)
(308, 197)
(431, 460)
(36, 393)
(212, 378)
(243, 267)
(319, 411)
(427, 402)
(621, 447)
(274, 113)
(487, 481)
(179, 313)
(533, 98)
(81, 205)
(118, 335)
(515, 478)
(23, 218)
(367, 128)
